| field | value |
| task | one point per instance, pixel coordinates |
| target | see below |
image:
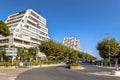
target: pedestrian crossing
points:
(102, 74)
(11, 78)
(1, 74)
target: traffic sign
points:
(11, 51)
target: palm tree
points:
(20, 53)
(32, 51)
(2, 53)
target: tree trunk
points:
(1, 59)
(116, 64)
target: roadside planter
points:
(116, 73)
(75, 66)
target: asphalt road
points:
(61, 73)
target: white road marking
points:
(2, 74)
(101, 73)
(11, 78)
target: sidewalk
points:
(11, 73)
(108, 67)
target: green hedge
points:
(73, 64)
(34, 62)
(6, 64)
(51, 62)
(16, 63)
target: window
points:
(4, 41)
(30, 17)
(12, 29)
(25, 36)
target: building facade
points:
(72, 43)
(27, 29)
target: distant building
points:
(27, 29)
(72, 43)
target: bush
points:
(73, 64)
(15, 63)
(2, 63)
(6, 64)
(51, 62)
(34, 62)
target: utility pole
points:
(109, 49)
(37, 41)
(109, 56)
(38, 51)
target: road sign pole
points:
(13, 57)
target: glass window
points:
(30, 17)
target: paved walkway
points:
(108, 67)
(12, 73)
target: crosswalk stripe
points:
(11, 78)
(2, 74)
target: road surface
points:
(61, 73)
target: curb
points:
(108, 67)
(37, 66)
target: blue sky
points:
(87, 20)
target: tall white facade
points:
(72, 43)
(27, 29)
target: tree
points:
(2, 53)
(4, 30)
(73, 55)
(23, 54)
(106, 46)
(20, 51)
(33, 52)
(52, 48)
(88, 56)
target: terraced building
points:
(72, 43)
(27, 29)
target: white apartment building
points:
(72, 43)
(27, 28)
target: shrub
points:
(6, 64)
(50, 62)
(73, 64)
(34, 62)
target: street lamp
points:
(37, 34)
(38, 51)
(109, 56)
(37, 47)
(109, 49)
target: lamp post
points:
(109, 56)
(38, 51)
(109, 49)
(37, 34)
(37, 41)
